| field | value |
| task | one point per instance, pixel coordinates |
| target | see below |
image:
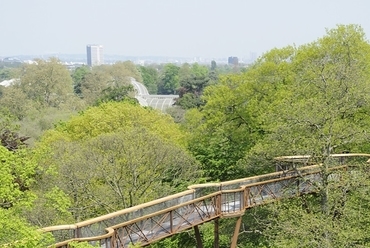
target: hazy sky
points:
(186, 28)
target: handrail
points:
(221, 189)
(109, 234)
(134, 208)
(165, 210)
(295, 157)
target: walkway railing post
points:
(197, 237)
(234, 241)
(171, 221)
(216, 243)
(246, 197)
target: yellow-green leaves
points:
(17, 233)
(114, 156)
(16, 176)
(112, 117)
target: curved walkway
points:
(161, 218)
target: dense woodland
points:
(76, 144)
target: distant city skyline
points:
(171, 28)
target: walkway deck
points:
(158, 219)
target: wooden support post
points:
(197, 237)
(234, 241)
(216, 243)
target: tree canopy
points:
(48, 82)
(307, 100)
(311, 100)
(115, 156)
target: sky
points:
(171, 28)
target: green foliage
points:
(189, 100)
(117, 94)
(47, 82)
(300, 222)
(150, 78)
(15, 101)
(193, 80)
(207, 232)
(311, 100)
(7, 121)
(38, 121)
(75, 244)
(115, 156)
(122, 70)
(169, 80)
(51, 207)
(124, 169)
(78, 76)
(16, 176)
(222, 130)
(177, 113)
(107, 82)
(114, 116)
(17, 233)
(327, 99)
(187, 238)
(8, 73)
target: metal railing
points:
(155, 220)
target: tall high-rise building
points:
(94, 55)
(233, 61)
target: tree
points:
(78, 76)
(124, 169)
(310, 100)
(330, 95)
(114, 156)
(17, 175)
(121, 72)
(225, 128)
(169, 80)
(17, 233)
(193, 80)
(321, 112)
(92, 85)
(8, 73)
(47, 82)
(108, 81)
(150, 78)
(197, 81)
(117, 94)
(15, 101)
(300, 222)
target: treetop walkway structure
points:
(155, 220)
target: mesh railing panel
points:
(222, 199)
(168, 223)
(232, 202)
(98, 228)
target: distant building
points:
(94, 55)
(7, 83)
(233, 61)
